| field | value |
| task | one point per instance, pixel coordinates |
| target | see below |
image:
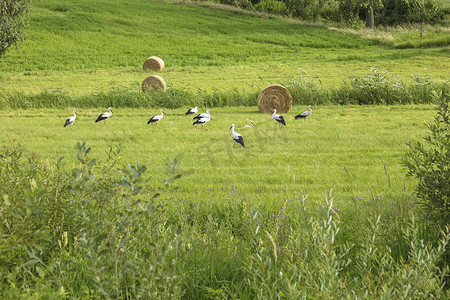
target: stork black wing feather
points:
(100, 118)
(240, 140)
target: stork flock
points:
(201, 119)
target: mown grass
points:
(100, 230)
(84, 48)
(353, 151)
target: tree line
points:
(352, 12)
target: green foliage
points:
(430, 164)
(271, 6)
(304, 9)
(102, 231)
(353, 12)
(12, 22)
(410, 11)
(379, 87)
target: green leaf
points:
(92, 163)
(151, 209)
(104, 252)
(6, 200)
(40, 271)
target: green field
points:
(86, 47)
(317, 209)
(340, 148)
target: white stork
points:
(192, 111)
(236, 137)
(207, 114)
(157, 118)
(278, 118)
(251, 124)
(202, 121)
(105, 115)
(71, 120)
(305, 114)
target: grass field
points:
(86, 47)
(349, 149)
(317, 209)
(239, 222)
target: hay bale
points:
(275, 96)
(153, 63)
(153, 83)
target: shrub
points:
(102, 231)
(12, 14)
(410, 11)
(431, 164)
(271, 6)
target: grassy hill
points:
(87, 46)
(316, 209)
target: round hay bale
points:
(153, 63)
(275, 96)
(153, 83)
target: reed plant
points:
(378, 87)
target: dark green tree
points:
(411, 11)
(12, 22)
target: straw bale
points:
(275, 96)
(153, 83)
(153, 63)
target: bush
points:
(271, 6)
(12, 13)
(103, 231)
(431, 165)
(410, 11)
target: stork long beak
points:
(230, 128)
(76, 113)
(252, 123)
(164, 112)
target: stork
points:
(278, 118)
(157, 118)
(207, 114)
(105, 115)
(305, 114)
(202, 121)
(236, 137)
(192, 111)
(71, 120)
(251, 124)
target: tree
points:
(12, 21)
(370, 18)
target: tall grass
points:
(102, 231)
(379, 87)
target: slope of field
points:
(87, 46)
